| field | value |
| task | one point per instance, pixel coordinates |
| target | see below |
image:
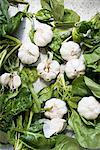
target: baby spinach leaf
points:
(37, 141)
(59, 35)
(87, 136)
(57, 8)
(69, 18)
(12, 25)
(46, 4)
(43, 15)
(4, 5)
(94, 87)
(92, 57)
(96, 21)
(79, 87)
(66, 143)
(45, 94)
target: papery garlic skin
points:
(56, 108)
(89, 107)
(43, 35)
(48, 69)
(53, 126)
(70, 50)
(75, 68)
(4, 79)
(12, 80)
(28, 53)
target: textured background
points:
(85, 8)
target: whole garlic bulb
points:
(74, 68)
(70, 50)
(43, 35)
(10, 79)
(4, 79)
(57, 108)
(48, 69)
(89, 107)
(28, 53)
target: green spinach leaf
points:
(4, 17)
(92, 57)
(94, 87)
(87, 136)
(79, 87)
(43, 15)
(37, 141)
(12, 25)
(69, 18)
(66, 143)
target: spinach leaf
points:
(57, 8)
(66, 143)
(96, 21)
(69, 18)
(92, 57)
(45, 94)
(46, 4)
(59, 35)
(94, 87)
(79, 87)
(12, 106)
(87, 136)
(12, 25)
(37, 141)
(29, 75)
(4, 5)
(44, 15)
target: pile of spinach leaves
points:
(21, 110)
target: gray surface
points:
(85, 8)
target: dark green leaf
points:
(37, 141)
(79, 87)
(16, 104)
(94, 87)
(92, 57)
(12, 25)
(4, 5)
(66, 143)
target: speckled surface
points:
(85, 8)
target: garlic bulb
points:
(10, 79)
(43, 35)
(74, 68)
(28, 53)
(56, 108)
(48, 69)
(70, 50)
(89, 107)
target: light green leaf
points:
(87, 136)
